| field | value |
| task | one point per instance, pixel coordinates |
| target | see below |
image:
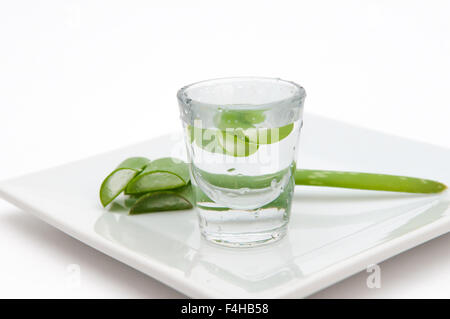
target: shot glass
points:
(241, 136)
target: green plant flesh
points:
(354, 180)
(117, 181)
(241, 119)
(235, 146)
(175, 199)
(236, 134)
(369, 181)
(161, 174)
(267, 135)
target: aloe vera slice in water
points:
(267, 135)
(243, 123)
(235, 146)
(161, 174)
(222, 141)
(207, 140)
(242, 119)
(117, 181)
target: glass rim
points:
(298, 94)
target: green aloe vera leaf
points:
(161, 174)
(267, 135)
(369, 181)
(181, 198)
(381, 182)
(354, 180)
(235, 146)
(158, 201)
(117, 181)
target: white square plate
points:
(333, 233)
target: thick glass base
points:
(245, 239)
(243, 228)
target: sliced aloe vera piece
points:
(158, 201)
(204, 138)
(230, 142)
(239, 118)
(161, 174)
(117, 181)
(235, 146)
(267, 135)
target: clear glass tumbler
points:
(241, 136)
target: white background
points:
(82, 77)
